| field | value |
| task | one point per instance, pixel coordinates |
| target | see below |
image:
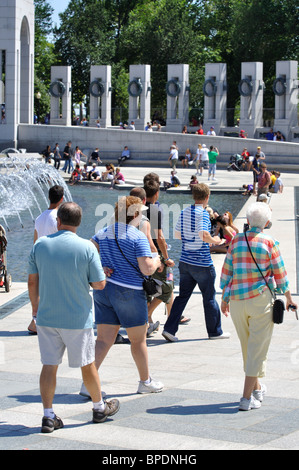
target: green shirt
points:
(213, 157)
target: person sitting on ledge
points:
(76, 175)
(94, 173)
(124, 156)
(109, 173)
(174, 182)
(118, 178)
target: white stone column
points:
(285, 88)
(251, 88)
(100, 95)
(17, 42)
(177, 89)
(140, 95)
(215, 92)
(61, 96)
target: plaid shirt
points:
(240, 277)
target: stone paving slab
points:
(198, 409)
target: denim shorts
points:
(118, 305)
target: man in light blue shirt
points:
(62, 267)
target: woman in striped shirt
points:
(249, 301)
(126, 251)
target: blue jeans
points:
(118, 305)
(68, 165)
(191, 275)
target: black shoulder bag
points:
(151, 287)
(278, 306)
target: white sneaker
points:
(85, 393)
(251, 404)
(259, 394)
(153, 387)
(223, 336)
(169, 337)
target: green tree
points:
(161, 33)
(44, 56)
(250, 31)
(83, 39)
(272, 36)
(119, 13)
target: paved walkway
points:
(198, 408)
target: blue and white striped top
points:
(133, 243)
(191, 222)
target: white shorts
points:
(80, 345)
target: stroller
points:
(236, 163)
(5, 278)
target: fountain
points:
(24, 186)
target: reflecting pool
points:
(97, 204)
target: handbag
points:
(151, 287)
(278, 305)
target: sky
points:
(59, 7)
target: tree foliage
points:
(44, 55)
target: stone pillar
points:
(177, 89)
(285, 88)
(100, 95)
(251, 89)
(61, 96)
(17, 42)
(140, 95)
(215, 91)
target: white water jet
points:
(24, 186)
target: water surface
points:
(97, 204)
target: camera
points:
(293, 307)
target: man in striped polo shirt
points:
(196, 266)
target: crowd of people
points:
(264, 181)
(128, 266)
(204, 158)
(90, 170)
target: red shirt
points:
(264, 179)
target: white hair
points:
(258, 214)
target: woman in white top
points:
(187, 158)
(78, 154)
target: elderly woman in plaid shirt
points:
(249, 301)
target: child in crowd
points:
(76, 175)
(248, 189)
(193, 181)
(174, 182)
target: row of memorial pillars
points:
(139, 96)
(251, 89)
